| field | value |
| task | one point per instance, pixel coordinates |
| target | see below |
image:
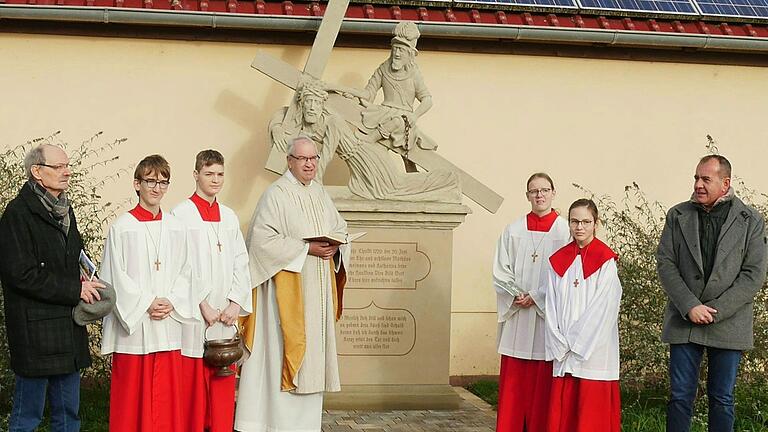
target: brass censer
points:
(222, 353)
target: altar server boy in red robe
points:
(146, 261)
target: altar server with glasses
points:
(582, 335)
(519, 269)
(146, 260)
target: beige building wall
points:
(600, 123)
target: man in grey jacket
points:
(711, 262)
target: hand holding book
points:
(335, 239)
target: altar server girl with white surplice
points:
(582, 309)
(518, 271)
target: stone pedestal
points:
(394, 336)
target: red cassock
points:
(524, 392)
(583, 405)
(146, 393)
(210, 399)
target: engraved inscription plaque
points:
(375, 331)
(382, 265)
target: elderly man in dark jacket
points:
(711, 262)
(40, 274)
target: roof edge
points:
(441, 30)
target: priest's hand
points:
(524, 301)
(322, 250)
(230, 313)
(210, 315)
(160, 308)
(89, 291)
(702, 314)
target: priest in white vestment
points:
(146, 261)
(222, 279)
(297, 299)
(582, 336)
(518, 270)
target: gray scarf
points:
(57, 207)
(729, 196)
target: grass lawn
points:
(644, 410)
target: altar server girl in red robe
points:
(582, 335)
(519, 270)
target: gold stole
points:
(290, 307)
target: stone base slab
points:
(393, 397)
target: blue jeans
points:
(29, 402)
(684, 363)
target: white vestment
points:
(521, 330)
(128, 264)
(286, 213)
(218, 276)
(582, 322)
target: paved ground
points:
(474, 415)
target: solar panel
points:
(533, 3)
(678, 7)
(734, 8)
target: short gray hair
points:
(35, 156)
(299, 139)
(725, 164)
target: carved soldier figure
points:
(401, 81)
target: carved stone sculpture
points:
(401, 82)
(374, 174)
(390, 125)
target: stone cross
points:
(318, 58)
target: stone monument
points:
(394, 335)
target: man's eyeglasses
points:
(57, 167)
(151, 183)
(585, 223)
(305, 159)
(543, 191)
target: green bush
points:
(92, 216)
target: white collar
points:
(289, 175)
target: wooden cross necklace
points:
(156, 245)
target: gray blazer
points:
(738, 274)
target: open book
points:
(335, 239)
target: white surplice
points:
(582, 322)
(521, 330)
(218, 276)
(128, 264)
(286, 213)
